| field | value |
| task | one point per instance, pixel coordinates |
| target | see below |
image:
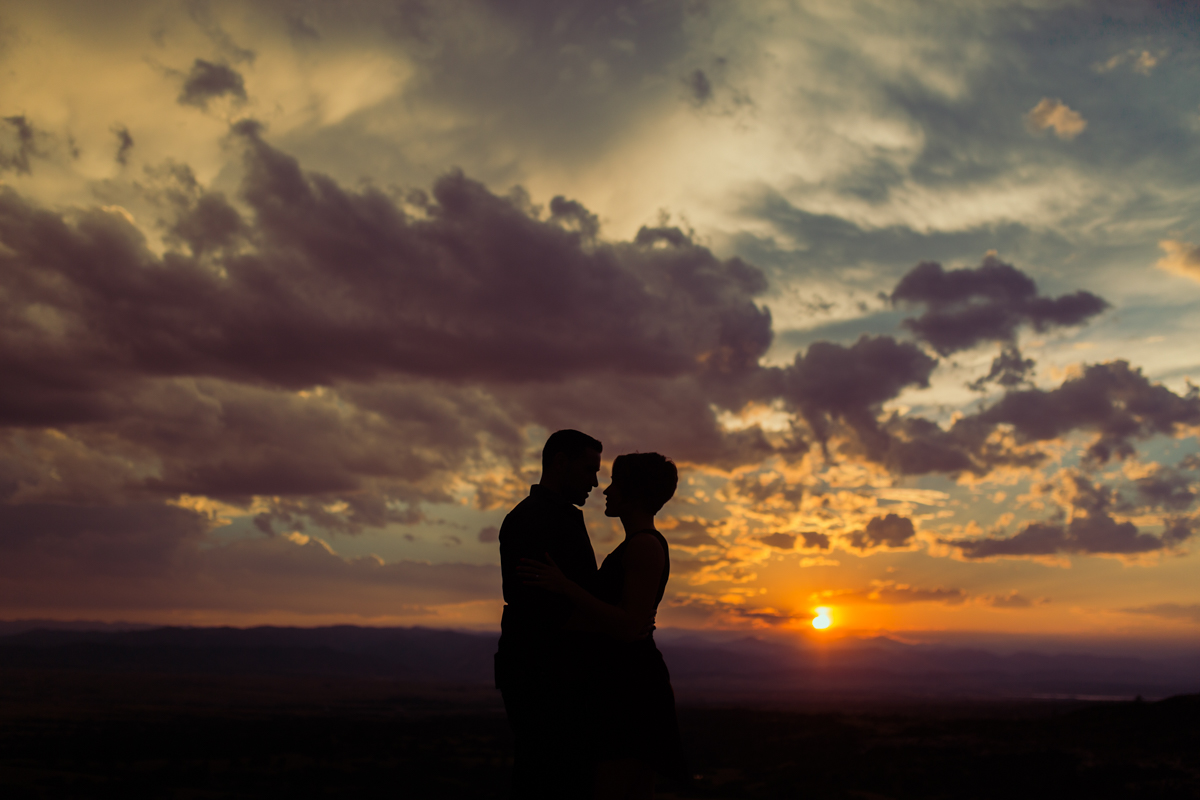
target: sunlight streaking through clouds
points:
(291, 296)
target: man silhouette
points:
(541, 665)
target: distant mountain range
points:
(703, 669)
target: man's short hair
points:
(571, 443)
(649, 479)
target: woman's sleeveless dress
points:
(637, 708)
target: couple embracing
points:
(587, 693)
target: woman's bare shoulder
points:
(644, 546)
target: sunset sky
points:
(291, 294)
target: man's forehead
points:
(592, 457)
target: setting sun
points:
(822, 621)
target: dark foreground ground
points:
(70, 734)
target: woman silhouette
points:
(636, 730)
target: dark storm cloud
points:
(124, 144)
(345, 285)
(207, 81)
(437, 333)
(965, 307)
(890, 531)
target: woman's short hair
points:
(648, 479)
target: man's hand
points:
(544, 576)
(649, 629)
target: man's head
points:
(570, 461)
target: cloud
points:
(1142, 62)
(832, 382)
(20, 142)
(489, 533)
(124, 144)
(1090, 534)
(153, 557)
(335, 358)
(890, 531)
(699, 87)
(1048, 113)
(1172, 611)
(780, 541)
(1013, 599)
(690, 533)
(965, 307)
(207, 81)
(1165, 488)
(815, 539)
(1090, 529)
(1113, 400)
(342, 285)
(1009, 369)
(1182, 258)
(892, 593)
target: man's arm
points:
(523, 535)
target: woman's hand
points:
(544, 576)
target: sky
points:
(291, 294)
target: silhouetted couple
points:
(586, 690)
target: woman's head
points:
(645, 481)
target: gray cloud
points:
(207, 81)
(832, 382)
(349, 286)
(1113, 400)
(780, 541)
(965, 307)
(1166, 489)
(890, 531)
(1092, 534)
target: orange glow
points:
(822, 621)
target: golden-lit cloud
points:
(1182, 258)
(1053, 113)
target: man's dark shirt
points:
(532, 624)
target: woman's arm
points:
(644, 561)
